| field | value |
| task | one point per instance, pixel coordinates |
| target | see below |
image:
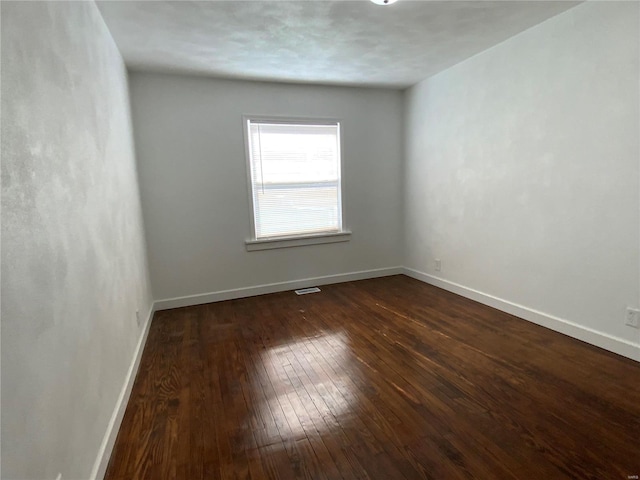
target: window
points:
(295, 182)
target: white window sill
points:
(297, 241)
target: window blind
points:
(295, 178)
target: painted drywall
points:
(73, 254)
(522, 169)
(193, 181)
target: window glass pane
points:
(295, 172)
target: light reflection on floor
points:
(308, 388)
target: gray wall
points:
(522, 169)
(193, 181)
(73, 255)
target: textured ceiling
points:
(330, 42)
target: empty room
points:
(320, 239)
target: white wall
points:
(73, 256)
(522, 170)
(193, 181)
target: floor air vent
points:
(304, 291)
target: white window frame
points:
(254, 243)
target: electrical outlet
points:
(438, 265)
(633, 317)
(138, 317)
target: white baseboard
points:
(272, 288)
(599, 339)
(106, 447)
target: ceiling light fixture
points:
(384, 2)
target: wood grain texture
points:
(379, 379)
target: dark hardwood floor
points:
(378, 379)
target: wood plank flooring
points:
(378, 379)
